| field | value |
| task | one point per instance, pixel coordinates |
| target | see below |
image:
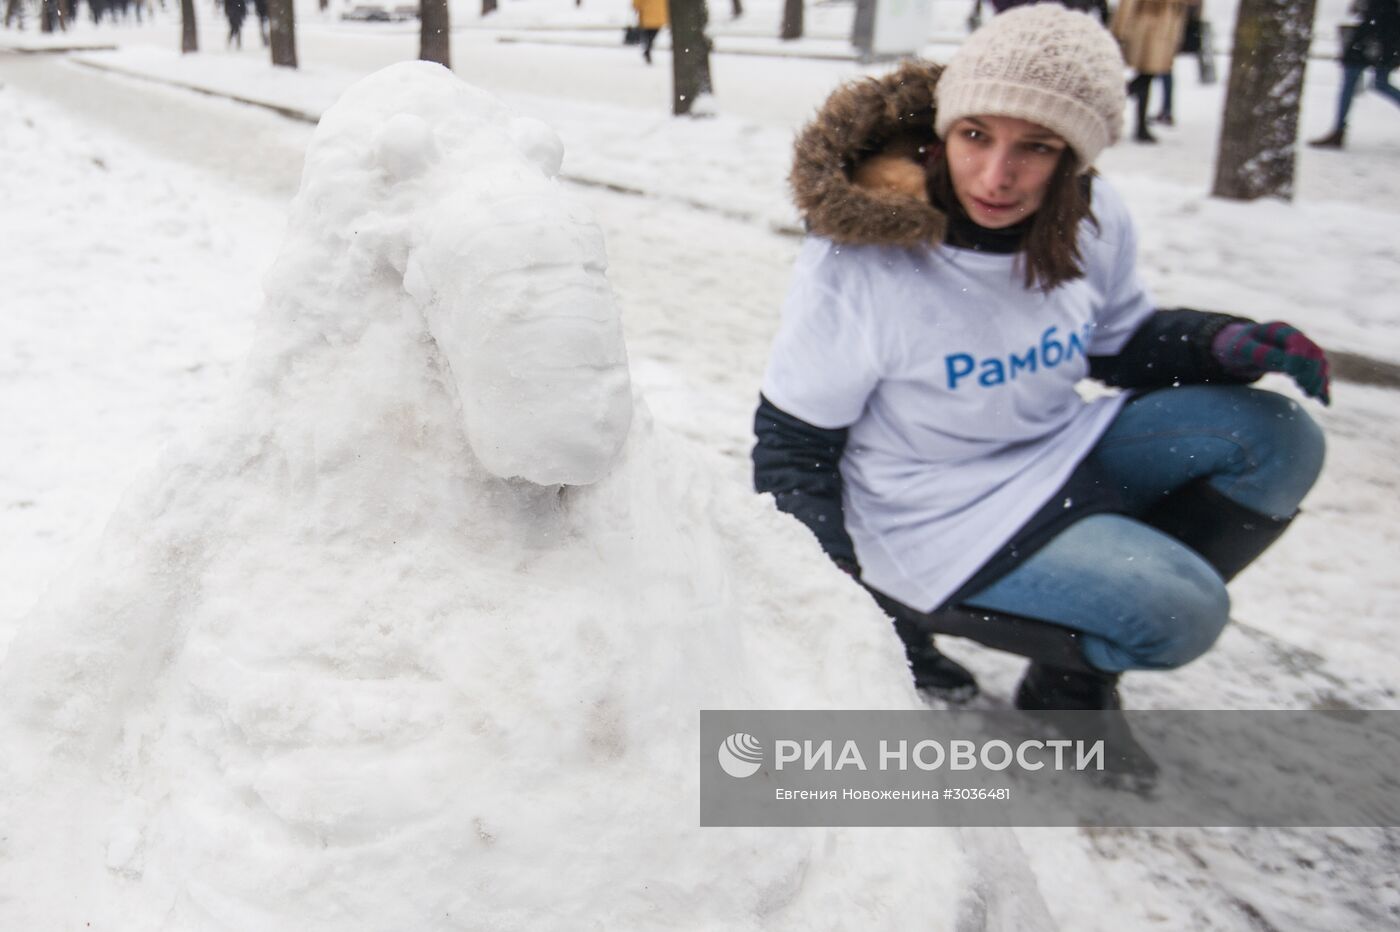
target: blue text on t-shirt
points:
(1049, 353)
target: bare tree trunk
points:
(690, 54)
(14, 10)
(434, 34)
(51, 16)
(488, 6)
(736, 8)
(189, 36)
(1260, 129)
(792, 20)
(282, 24)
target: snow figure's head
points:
(425, 197)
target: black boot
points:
(1228, 535)
(940, 675)
(1059, 678)
(1333, 140)
(1047, 690)
(934, 672)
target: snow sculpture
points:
(369, 654)
(458, 199)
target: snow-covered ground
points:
(139, 220)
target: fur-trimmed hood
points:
(859, 119)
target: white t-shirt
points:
(958, 386)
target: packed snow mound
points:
(366, 655)
(432, 187)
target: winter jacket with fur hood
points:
(891, 114)
(799, 462)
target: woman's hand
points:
(1250, 350)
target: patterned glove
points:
(1250, 350)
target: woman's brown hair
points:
(1050, 250)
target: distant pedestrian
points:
(1373, 44)
(236, 11)
(1150, 33)
(260, 8)
(652, 17)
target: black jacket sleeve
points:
(800, 464)
(1172, 347)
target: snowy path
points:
(612, 74)
(133, 291)
(129, 307)
(252, 153)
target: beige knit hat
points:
(1043, 63)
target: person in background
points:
(236, 11)
(260, 8)
(652, 17)
(1190, 44)
(1150, 32)
(919, 411)
(1373, 44)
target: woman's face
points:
(1001, 167)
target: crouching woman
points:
(965, 270)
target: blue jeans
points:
(1142, 599)
(1351, 77)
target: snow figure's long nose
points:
(512, 282)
